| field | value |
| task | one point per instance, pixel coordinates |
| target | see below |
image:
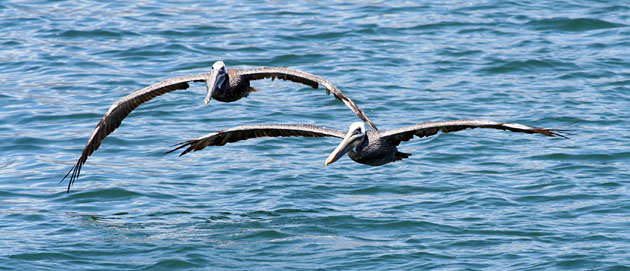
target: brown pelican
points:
(372, 147)
(225, 85)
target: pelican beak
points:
(349, 141)
(215, 81)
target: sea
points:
(479, 199)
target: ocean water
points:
(471, 200)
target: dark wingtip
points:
(64, 178)
(75, 170)
(558, 133)
(179, 146)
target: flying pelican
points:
(225, 85)
(372, 147)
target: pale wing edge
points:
(254, 131)
(430, 128)
(120, 110)
(308, 79)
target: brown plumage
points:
(236, 85)
(225, 85)
(372, 147)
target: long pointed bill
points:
(212, 84)
(346, 144)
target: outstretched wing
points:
(430, 128)
(307, 79)
(121, 109)
(252, 131)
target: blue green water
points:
(471, 200)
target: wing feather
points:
(430, 128)
(121, 109)
(253, 131)
(307, 79)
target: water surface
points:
(470, 200)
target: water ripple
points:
(572, 25)
(468, 200)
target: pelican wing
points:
(430, 128)
(307, 79)
(121, 109)
(252, 131)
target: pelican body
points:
(229, 85)
(367, 147)
(222, 84)
(372, 147)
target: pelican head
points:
(218, 77)
(354, 137)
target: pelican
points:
(222, 84)
(371, 147)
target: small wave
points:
(42, 256)
(571, 25)
(293, 60)
(96, 33)
(103, 194)
(584, 157)
(172, 264)
(263, 234)
(530, 66)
